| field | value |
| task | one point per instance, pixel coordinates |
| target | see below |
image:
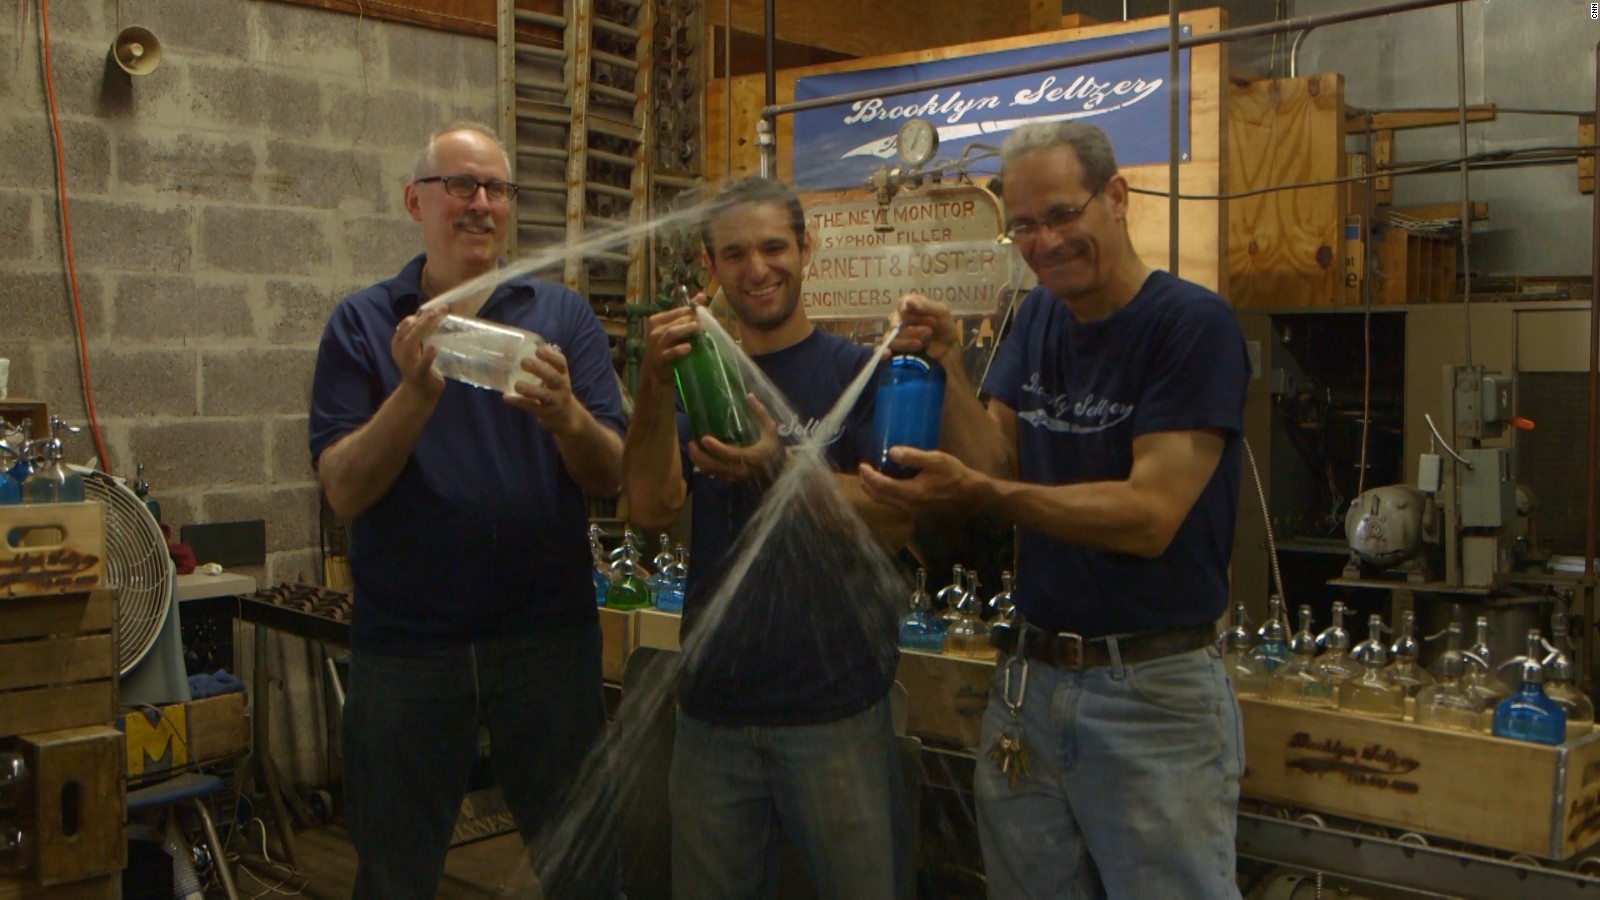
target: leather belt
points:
(1066, 650)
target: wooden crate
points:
(35, 413)
(658, 629)
(79, 807)
(179, 735)
(618, 637)
(103, 887)
(49, 548)
(1415, 267)
(1509, 795)
(58, 661)
(947, 696)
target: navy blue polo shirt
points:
(484, 532)
(808, 637)
(1173, 359)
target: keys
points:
(1010, 754)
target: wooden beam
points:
(1416, 118)
(892, 27)
(1433, 212)
(1586, 160)
(476, 17)
(1382, 160)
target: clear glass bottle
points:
(1482, 678)
(1002, 609)
(484, 354)
(16, 846)
(601, 566)
(948, 599)
(628, 587)
(1405, 670)
(1246, 672)
(1372, 692)
(909, 407)
(1298, 681)
(1528, 714)
(920, 629)
(1335, 663)
(1560, 683)
(712, 390)
(1273, 651)
(968, 637)
(53, 481)
(660, 581)
(1446, 704)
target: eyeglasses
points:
(466, 186)
(1055, 219)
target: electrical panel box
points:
(1496, 402)
(1487, 492)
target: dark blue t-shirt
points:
(1173, 359)
(809, 637)
(484, 533)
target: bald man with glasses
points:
(474, 604)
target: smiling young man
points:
(474, 604)
(783, 719)
(1111, 438)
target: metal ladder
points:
(602, 108)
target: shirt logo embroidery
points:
(1060, 413)
(796, 431)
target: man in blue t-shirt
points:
(473, 599)
(783, 718)
(1111, 438)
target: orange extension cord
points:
(66, 229)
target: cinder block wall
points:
(220, 207)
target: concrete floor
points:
(493, 867)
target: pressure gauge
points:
(917, 143)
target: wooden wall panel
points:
(1286, 248)
(1203, 223)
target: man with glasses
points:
(1111, 745)
(474, 605)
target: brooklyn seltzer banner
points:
(839, 146)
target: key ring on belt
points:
(1019, 661)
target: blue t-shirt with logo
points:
(1173, 359)
(483, 533)
(808, 637)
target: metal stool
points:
(192, 787)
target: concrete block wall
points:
(220, 207)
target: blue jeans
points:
(1132, 786)
(836, 789)
(411, 737)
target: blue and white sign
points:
(839, 146)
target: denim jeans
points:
(411, 737)
(1132, 786)
(836, 789)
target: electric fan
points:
(136, 565)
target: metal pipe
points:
(1466, 191)
(1227, 35)
(1294, 52)
(1172, 136)
(771, 51)
(1589, 511)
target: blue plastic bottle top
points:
(909, 405)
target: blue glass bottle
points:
(920, 629)
(1529, 714)
(909, 405)
(10, 488)
(16, 441)
(671, 598)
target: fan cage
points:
(136, 566)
